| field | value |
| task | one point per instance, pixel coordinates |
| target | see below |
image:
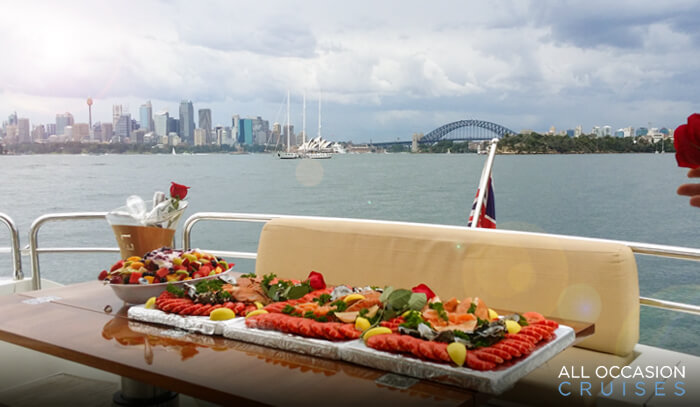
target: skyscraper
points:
(160, 122)
(117, 111)
(23, 131)
(205, 123)
(146, 116)
(63, 120)
(186, 132)
(235, 127)
(123, 130)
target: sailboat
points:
(319, 155)
(173, 151)
(287, 155)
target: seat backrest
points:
(576, 279)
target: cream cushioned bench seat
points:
(575, 279)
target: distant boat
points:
(173, 152)
(318, 156)
(288, 155)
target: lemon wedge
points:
(256, 312)
(353, 297)
(151, 303)
(512, 326)
(222, 314)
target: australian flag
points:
(487, 218)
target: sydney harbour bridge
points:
(461, 130)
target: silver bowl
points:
(140, 293)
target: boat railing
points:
(14, 248)
(648, 249)
(35, 250)
(665, 251)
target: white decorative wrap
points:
(491, 381)
(279, 340)
(187, 322)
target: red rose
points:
(178, 191)
(422, 288)
(686, 139)
(316, 281)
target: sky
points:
(382, 69)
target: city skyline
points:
(385, 71)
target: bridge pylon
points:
(414, 142)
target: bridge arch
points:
(492, 128)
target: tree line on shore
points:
(540, 144)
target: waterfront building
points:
(97, 132)
(235, 127)
(50, 129)
(160, 123)
(12, 119)
(63, 120)
(38, 133)
(276, 133)
(138, 135)
(11, 134)
(122, 132)
(578, 131)
(288, 129)
(67, 133)
(150, 138)
(174, 139)
(186, 130)
(261, 130)
(146, 116)
(665, 131)
(642, 131)
(81, 132)
(23, 131)
(173, 125)
(245, 135)
(607, 131)
(571, 133)
(107, 132)
(200, 137)
(117, 111)
(205, 123)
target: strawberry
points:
(102, 275)
(134, 277)
(117, 265)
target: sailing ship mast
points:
(319, 115)
(288, 121)
(303, 122)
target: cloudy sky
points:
(384, 69)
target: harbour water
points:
(625, 197)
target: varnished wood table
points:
(87, 323)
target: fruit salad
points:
(165, 265)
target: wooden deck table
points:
(87, 323)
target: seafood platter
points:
(412, 331)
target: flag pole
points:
(485, 174)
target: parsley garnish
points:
(322, 299)
(177, 291)
(413, 319)
(437, 306)
(248, 275)
(472, 308)
(340, 306)
(288, 309)
(209, 285)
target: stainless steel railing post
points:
(34, 249)
(14, 241)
